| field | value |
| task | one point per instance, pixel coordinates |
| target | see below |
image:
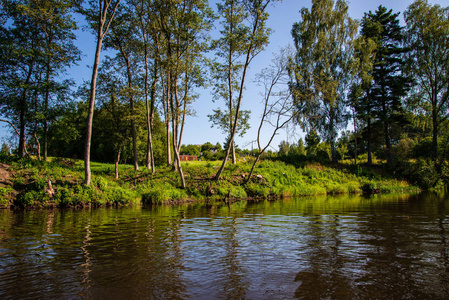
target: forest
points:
(363, 91)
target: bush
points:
(257, 190)
(425, 174)
(100, 182)
(31, 198)
(238, 192)
(5, 195)
(162, 194)
(119, 195)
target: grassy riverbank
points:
(31, 183)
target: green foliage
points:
(322, 67)
(390, 84)
(120, 195)
(5, 151)
(312, 142)
(5, 195)
(428, 62)
(271, 179)
(190, 150)
(161, 194)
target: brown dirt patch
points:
(5, 175)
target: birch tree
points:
(428, 39)
(100, 16)
(322, 67)
(244, 35)
(279, 109)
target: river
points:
(349, 247)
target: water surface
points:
(379, 247)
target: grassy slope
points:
(271, 179)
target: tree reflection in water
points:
(308, 248)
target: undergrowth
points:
(30, 185)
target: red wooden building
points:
(188, 157)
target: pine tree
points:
(389, 83)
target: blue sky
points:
(198, 129)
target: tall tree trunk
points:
(387, 135)
(38, 146)
(236, 117)
(131, 103)
(332, 140)
(93, 84)
(90, 114)
(23, 109)
(184, 112)
(231, 104)
(175, 123)
(117, 161)
(434, 133)
(167, 121)
(355, 137)
(47, 98)
(22, 131)
(369, 146)
(150, 110)
(333, 151)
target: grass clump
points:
(161, 194)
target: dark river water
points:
(352, 247)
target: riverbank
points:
(28, 183)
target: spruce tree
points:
(389, 83)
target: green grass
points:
(270, 179)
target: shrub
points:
(162, 194)
(31, 198)
(119, 195)
(238, 192)
(100, 182)
(5, 195)
(256, 190)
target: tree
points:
(299, 148)
(66, 132)
(312, 142)
(184, 25)
(113, 117)
(389, 82)
(21, 48)
(100, 16)
(190, 150)
(284, 148)
(244, 35)
(151, 39)
(5, 151)
(277, 102)
(223, 118)
(123, 39)
(56, 25)
(428, 59)
(359, 100)
(322, 67)
(229, 47)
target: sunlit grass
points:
(270, 179)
